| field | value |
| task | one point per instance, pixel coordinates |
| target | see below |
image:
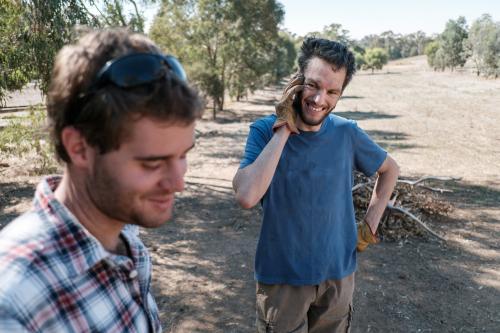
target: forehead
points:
(324, 73)
(152, 136)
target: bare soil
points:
(441, 124)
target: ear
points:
(79, 151)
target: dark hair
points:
(104, 118)
(335, 53)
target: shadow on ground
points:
(390, 140)
(11, 194)
(363, 115)
(229, 116)
(217, 242)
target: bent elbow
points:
(245, 201)
(397, 169)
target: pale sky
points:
(364, 17)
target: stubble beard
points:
(298, 109)
(116, 202)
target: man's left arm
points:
(386, 180)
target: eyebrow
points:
(309, 80)
(160, 157)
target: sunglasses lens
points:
(138, 69)
(135, 70)
(176, 67)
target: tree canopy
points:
(226, 46)
(483, 45)
(375, 58)
(33, 31)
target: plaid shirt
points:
(56, 277)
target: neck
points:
(73, 194)
(305, 127)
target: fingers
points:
(288, 95)
(297, 78)
(283, 123)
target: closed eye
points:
(151, 166)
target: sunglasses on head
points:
(137, 69)
(129, 71)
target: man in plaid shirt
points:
(122, 120)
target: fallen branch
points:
(435, 189)
(415, 182)
(361, 185)
(414, 218)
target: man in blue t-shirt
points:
(299, 165)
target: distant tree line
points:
(457, 43)
(374, 51)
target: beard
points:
(119, 202)
(297, 106)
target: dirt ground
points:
(440, 124)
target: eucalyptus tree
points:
(483, 44)
(33, 31)
(226, 46)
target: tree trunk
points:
(214, 107)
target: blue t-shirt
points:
(308, 233)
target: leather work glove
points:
(365, 236)
(284, 109)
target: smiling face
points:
(136, 183)
(322, 90)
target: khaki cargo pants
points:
(323, 308)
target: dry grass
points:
(445, 124)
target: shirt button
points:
(133, 274)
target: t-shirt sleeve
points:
(368, 155)
(259, 136)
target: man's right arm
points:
(251, 183)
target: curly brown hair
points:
(105, 117)
(333, 52)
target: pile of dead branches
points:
(411, 205)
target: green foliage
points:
(51, 23)
(226, 46)
(284, 56)
(483, 45)
(14, 60)
(440, 59)
(117, 13)
(452, 42)
(360, 60)
(375, 58)
(33, 31)
(25, 137)
(334, 32)
(430, 52)
(397, 45)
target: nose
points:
(173, 178)
(320, 97)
